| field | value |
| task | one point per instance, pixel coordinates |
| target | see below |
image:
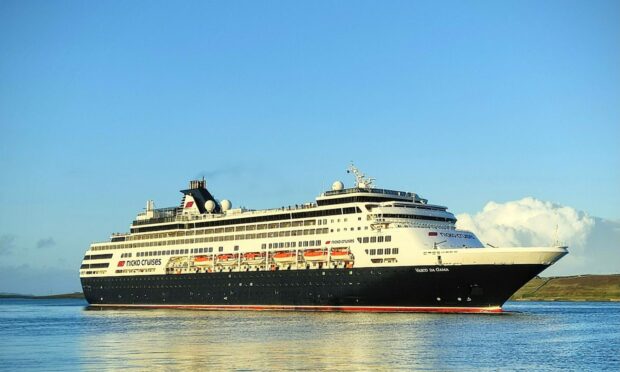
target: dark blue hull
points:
(423, 288)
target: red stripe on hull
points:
(360, 309)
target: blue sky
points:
(106, 104)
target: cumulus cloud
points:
(594, 243)
(47, 242)
(7, 243)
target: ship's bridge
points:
(362, 194)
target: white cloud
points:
(594, 243)
(7, 244)
(47, 242)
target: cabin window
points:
(394, 250)
(380, 251)
(236, 247)
(388, 250)
(373, 239)
(388, 238)
(373, 252)
(365, 239)
(380, 239)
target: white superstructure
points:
(356, 227)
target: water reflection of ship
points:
(251, 341)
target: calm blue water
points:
(63, 335)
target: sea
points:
(66, 335)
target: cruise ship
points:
(353, 249)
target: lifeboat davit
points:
(281, 257)
(315, 255)
(254, 258)
(341, 255)
(202, 260)
(227, 259)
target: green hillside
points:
(571, 288)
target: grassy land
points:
(571, 288)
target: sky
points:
(482, 106)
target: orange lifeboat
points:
(286, 256)
(202, 260)
(341, 254)
(254, 258)
(227, 259)
(315, 255)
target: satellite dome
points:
(337, 186)
(226, 204)
(210, 206)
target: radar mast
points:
(361, 180)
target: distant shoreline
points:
(46, 297)
(601, 288)
(579, 288)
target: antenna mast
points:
(361, 180)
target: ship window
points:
(293, 244)
(240, 228)
(365, 239)
(380, 251)
(270, 245)
(388, 250)
(236, 247)
(373, 239)
(318, 242)
(394, 250)
(221, 249)
(380, 239)
(263, 246)
(388, 238)
(281, 245)
(359, 240)
(305, 243)
(373, 252)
